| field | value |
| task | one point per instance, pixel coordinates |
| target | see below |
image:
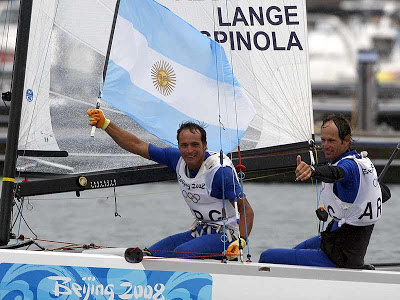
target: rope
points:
(223, 237)
(321, 224)
(241, 168)
(72, 246)
(198, 254)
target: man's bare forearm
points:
(128, 141)
(249, 217)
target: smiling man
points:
(208, 188)
(352, 197)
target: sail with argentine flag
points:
(240, 67)
(162, 72)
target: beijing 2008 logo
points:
(29, 95)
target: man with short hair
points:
(208, 189)
(352, 197)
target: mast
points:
(17, 91)
(110, 40)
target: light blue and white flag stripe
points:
(147, 37)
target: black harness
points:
(347, 245)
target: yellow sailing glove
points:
(233, 249)
(97, 118)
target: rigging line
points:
(26, 223)
(128, 195)
(264, 59)
(241, 169)
(224, 236)
(317, 192)
(58, 242)
(116, 214)
(19, 225)
(66, 247)
(267, 176)
(233, 80)
(225, 89)
(234, 171)
(217, 83)
(199, 254)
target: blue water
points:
(284, 216)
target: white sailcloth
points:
(265, 44)
(163, 72)
(36, 130)
(88, 23)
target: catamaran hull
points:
(60, 275)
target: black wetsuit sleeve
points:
(329, 174)
(385, 192)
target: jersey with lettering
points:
(197, 191)
(170, 156)
(366, 208)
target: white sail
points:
(66, 84)
(275, 74)
(265, 44)
(52, 23)
(67, 47)
(163, 72)
(36, 130)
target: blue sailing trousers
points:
(185, 245)
(307, 253)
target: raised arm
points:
(328, 174)
(123, 138)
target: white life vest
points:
(196, 192)
(367, 207)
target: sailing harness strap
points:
(206, 228)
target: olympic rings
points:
(193, 197)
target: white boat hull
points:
(97, 275)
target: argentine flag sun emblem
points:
(163, 49)
(164, 78)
